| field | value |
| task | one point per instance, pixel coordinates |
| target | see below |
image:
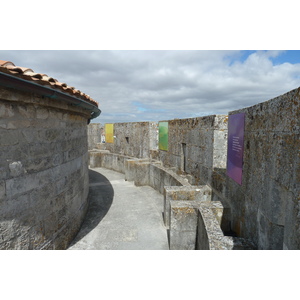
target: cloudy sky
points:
(162, 85)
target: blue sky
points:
(284, 56)
(292, 57)
(140, 85)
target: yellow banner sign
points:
(109, 133)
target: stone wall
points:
(265, 208)
(196, 146)
(43, 171)
(193, 220)
(134, 139)
(95, 133)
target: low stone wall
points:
(183, 209)
(183, 225)
(43, 171)
(105, 159)
(195, 222)
(159, 177)
(211, 237)
(141, 171)
(183, 193)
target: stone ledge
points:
(183, 225)
(183, 193)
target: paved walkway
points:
(121, 216)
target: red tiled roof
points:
(28, 74)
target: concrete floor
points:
(121, 216)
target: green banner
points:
(163, 135)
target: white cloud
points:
(165, 84)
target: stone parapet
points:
(193, 219)
(183, 193)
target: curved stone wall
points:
(265, 208)
(43, 170)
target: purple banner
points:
(236, 128)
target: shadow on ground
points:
(101, 194)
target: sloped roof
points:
(28, 74)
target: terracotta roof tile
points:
(5, 63)
(43, 79)
(20, 70)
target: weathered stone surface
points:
(218, 210)
(264, 208)
(183, 193)
(95, 135)
(6, 110)
(9, 138)
(209, 233)
(43, 171)
(183, 225)
(205, 143)
(42, 113)
(134, 139)
(27, 111)
(142, 173)
(130, 174)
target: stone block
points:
(9, 137)
(183, 225)
(6, 111)
(42, 113)
(95, 158)
(26, 111)
(218, 210)
(22, 184)
(29, 135)
(209, 233)
(183, 193)
(142, 174)
(221, 122)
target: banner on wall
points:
(235, 150)
(163, 136)
(109, 133)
